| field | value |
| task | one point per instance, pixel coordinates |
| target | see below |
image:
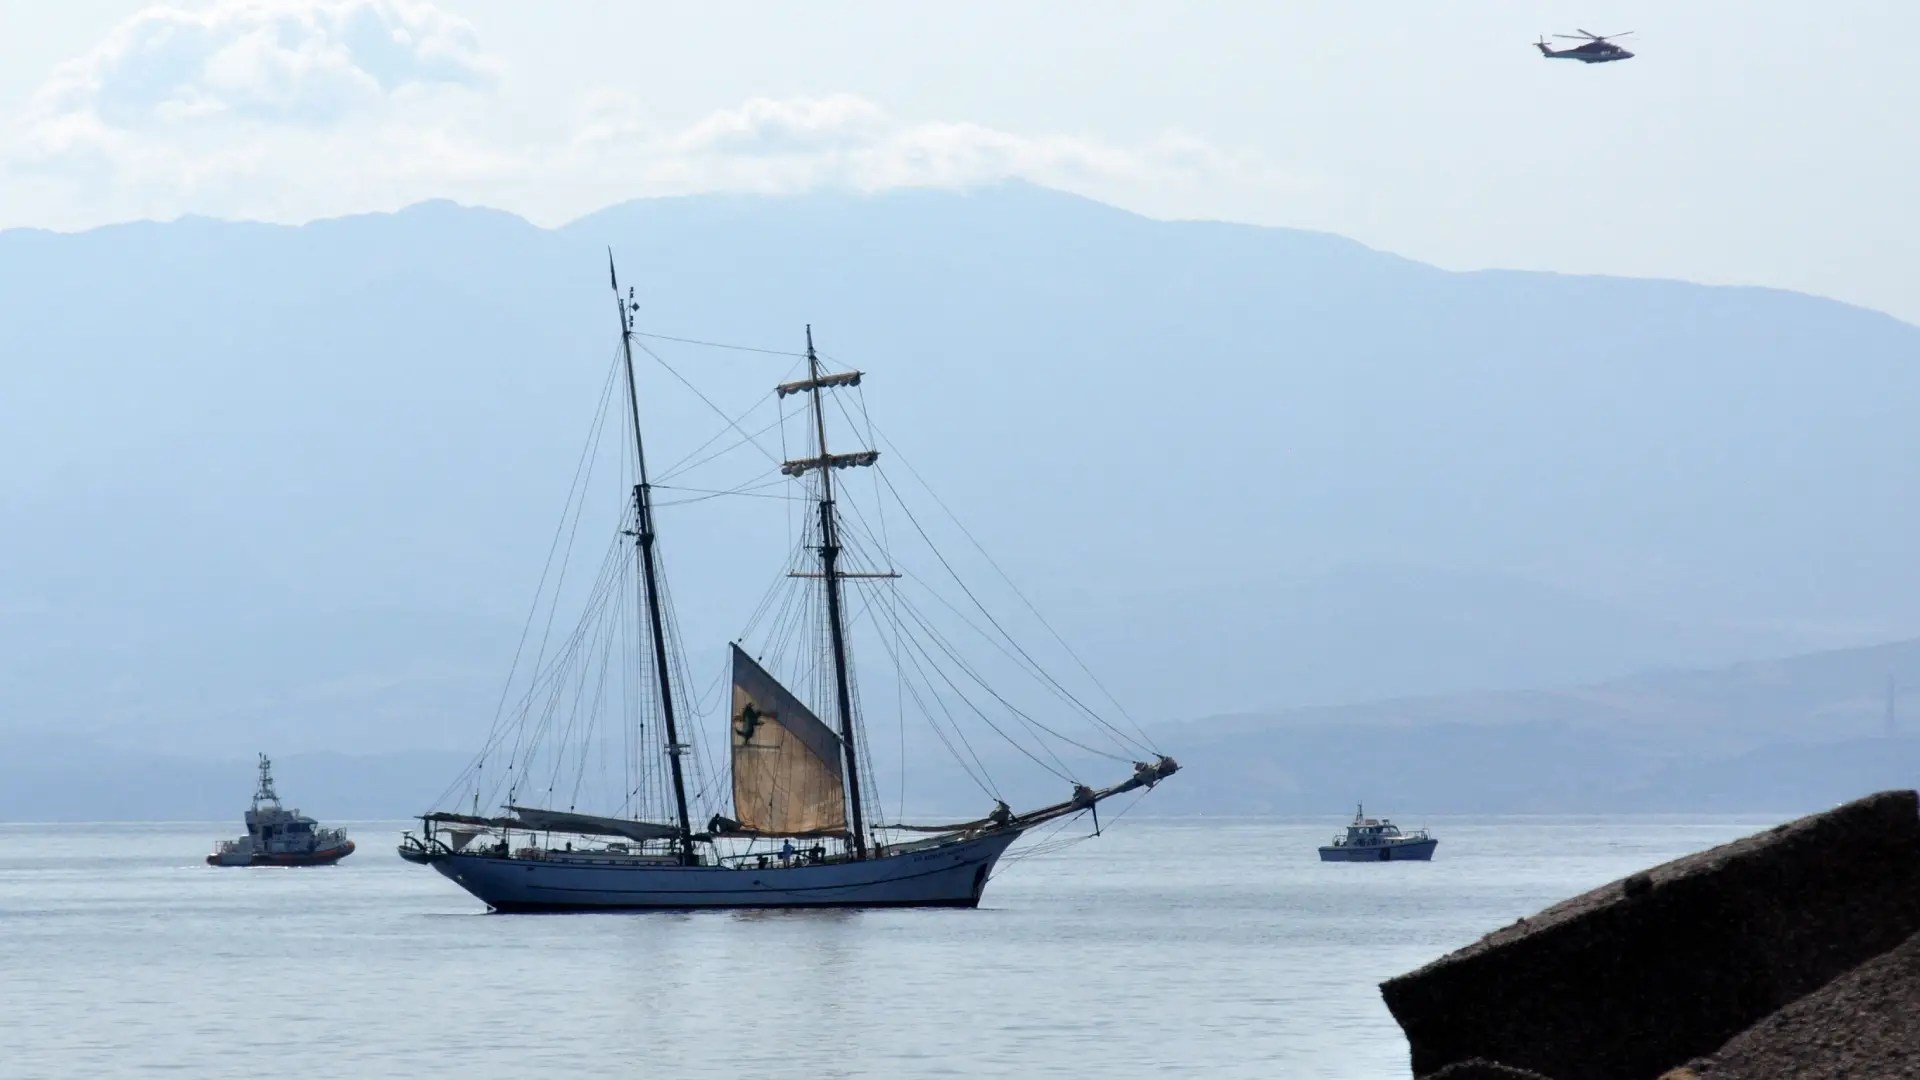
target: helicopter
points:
(1596, 49)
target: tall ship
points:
(277, 836)
(796, 820)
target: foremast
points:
(643, 534)
(830, 574)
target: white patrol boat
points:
(277, 836)
(1378, 840)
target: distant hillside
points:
(1782, 735)
(1775, 736)
(46, 779)
(292, 487)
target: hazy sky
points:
(1751, 141)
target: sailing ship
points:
(798, 781)
(277, 836)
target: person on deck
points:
(786, 852)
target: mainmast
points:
(830, 571)
(649, 571)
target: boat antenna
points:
(643, 535)
(265, 792)
(830, 576)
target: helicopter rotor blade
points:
(1574, 37)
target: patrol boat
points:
(1378, 840)
(277, 836)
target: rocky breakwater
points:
(1788, 953)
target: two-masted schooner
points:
(800, 832)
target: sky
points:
(1749, 142)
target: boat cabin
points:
(1374, 832)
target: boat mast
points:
(265, 792)
(643, 541)
(830, 574)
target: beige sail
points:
(786, 763)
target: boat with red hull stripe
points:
(277, 836)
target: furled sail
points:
(858, 458)
(591, 824)
(801, 386)
(786, 763)
(475, 820)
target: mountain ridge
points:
(707, 201)
(1168, 432)
(1686, 741)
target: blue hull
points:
(1413, 851)
(950, 875)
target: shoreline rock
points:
(1669, 965)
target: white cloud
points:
(314, 62)
(292, 109)
(848, 142)
(763, 126)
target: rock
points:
(1481, 1069)
(1865, 1023)
(1641, 977)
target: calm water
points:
(1221, 949)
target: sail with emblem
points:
(786, 763)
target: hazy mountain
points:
(1778, 736)
(63, 779)
(1791, 734)
(291, 488)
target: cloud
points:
(765, 126)
(291, 109)
(845, 141)
(307, 62)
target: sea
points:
(1215, 948)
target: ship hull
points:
(1412, 851)
(951, 875)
